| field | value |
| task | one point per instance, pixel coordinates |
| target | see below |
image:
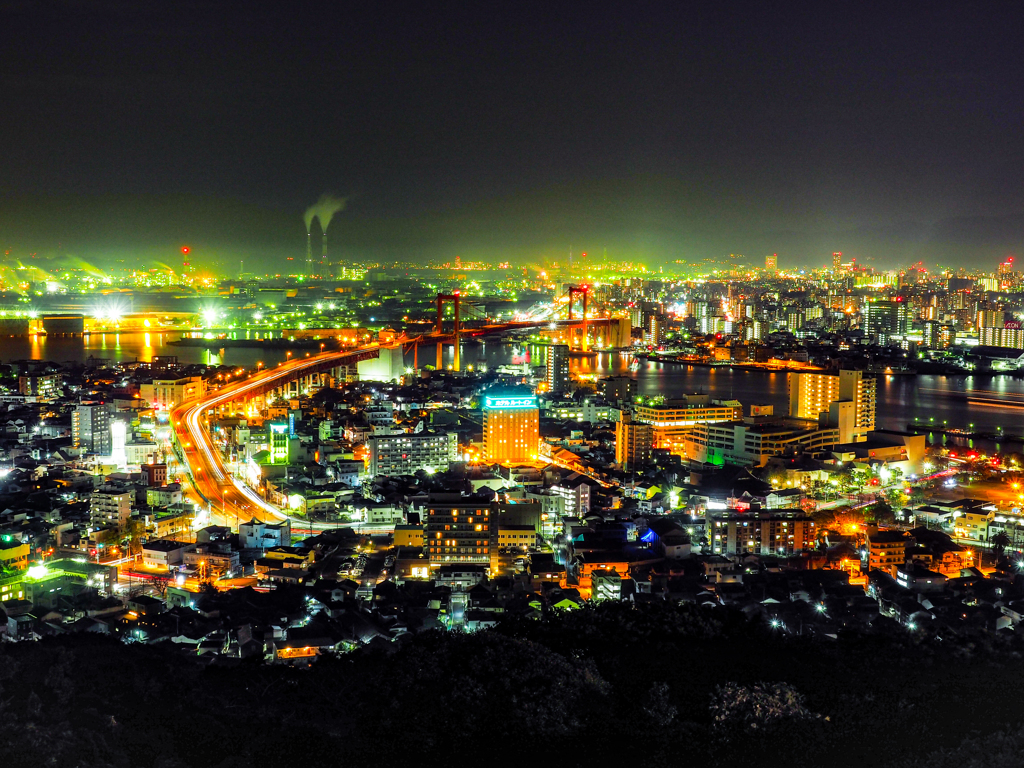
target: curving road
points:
(229, 498)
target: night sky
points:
(655, 131)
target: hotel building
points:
(511, 427)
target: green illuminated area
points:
(42, 583)
(279, 439)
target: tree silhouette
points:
(1000, 542)
(880, 513)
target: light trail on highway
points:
(210, 479)
(202, 458)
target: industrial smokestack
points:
(323, 254)
(309, 254)
(323, 210)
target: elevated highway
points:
(229, 498)
(232, 501)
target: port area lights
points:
(112, 312)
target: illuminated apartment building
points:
(936, 335)
(752, 443)
(991, 318)
(766, 533)
(886, 550)
(1012, 338)
(511, 427)
(90, 428)
(633, 442)
(41, 385)
(557, 369)
(846, 401)
(110, 506)
(404, 453)
(673, 419)
(459, 529)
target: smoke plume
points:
(324, 210)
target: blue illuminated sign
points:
(510, 402)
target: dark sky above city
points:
(653, 131)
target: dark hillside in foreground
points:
(656, 685)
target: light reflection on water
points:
(979, 403)
(986, 402)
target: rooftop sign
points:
(493, 403)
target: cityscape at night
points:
(457, 384)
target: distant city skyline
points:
(263, 237)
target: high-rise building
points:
(886, 318)
(837, 261)
(90, 428)
(511, 426)
(558, 368)
(459, 529)
(810, 394)
(937, 335)
(636, 316)
(654, 328)
(771, 262)
(991, 318)
(848, 399)
(633, 442)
